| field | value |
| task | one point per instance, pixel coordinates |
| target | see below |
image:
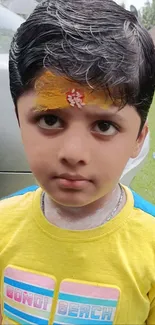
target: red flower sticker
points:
(75, 98)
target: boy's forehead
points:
(56, 91)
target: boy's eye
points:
(105, 128)
(50, 122)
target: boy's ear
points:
(140, 141)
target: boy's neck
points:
(86, 217)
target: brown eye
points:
(105, 128)
(50, 122)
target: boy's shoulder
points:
(141, 204)
(12, 203)
(15, 211)
(17, 204)
(141, 219)
(17, 199)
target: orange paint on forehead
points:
(54, 91)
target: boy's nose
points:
(74, 151)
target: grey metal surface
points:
(10, 183)
(12, 156)
(13, 164)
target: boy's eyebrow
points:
(112, 113)
(35, 109)
(108, 117)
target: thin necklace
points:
(108, 218)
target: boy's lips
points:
(72, 177)
(72, 181)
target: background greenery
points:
(147, 14)
(144, 182)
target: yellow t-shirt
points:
(93, 277)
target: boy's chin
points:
(78, 201)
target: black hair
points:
(93, 42)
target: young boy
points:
(79, 250)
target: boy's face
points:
(78, 155)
